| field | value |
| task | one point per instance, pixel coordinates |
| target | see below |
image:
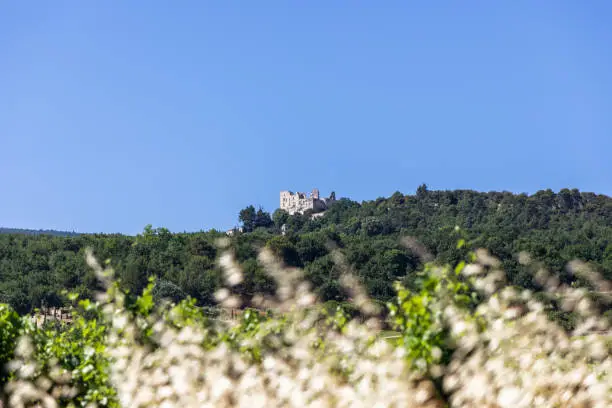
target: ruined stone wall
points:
(295, 202)
(299, 202)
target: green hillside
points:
(554, 228)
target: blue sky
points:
(114, 115)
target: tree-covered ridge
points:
(555, 228)
(37, 232)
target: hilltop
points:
(555, 228)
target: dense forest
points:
(555, 228)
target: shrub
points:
(10, 327)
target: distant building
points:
(234, 231)
(300, 202)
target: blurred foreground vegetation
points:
(461, 336)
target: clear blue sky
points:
(117, 114)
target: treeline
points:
(37, 232)
(554, 228)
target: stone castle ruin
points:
(300, 202)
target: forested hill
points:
(37, 232)
(554, 228)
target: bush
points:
(10, 327)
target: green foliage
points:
(144, 303)
(186, 313)
(10, 327)
(79, 349)
(284, 250)
(421, 333)
(106, 332)
(247, 217)
(417, 316)
(280, 217)
(166, 290)
(553, 228)
(338, 315)
(255, 333)
(252, 219)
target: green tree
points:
(285, 250)
(248, 217)
(263, 219)
(280, 217)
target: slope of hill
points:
(555, 228)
